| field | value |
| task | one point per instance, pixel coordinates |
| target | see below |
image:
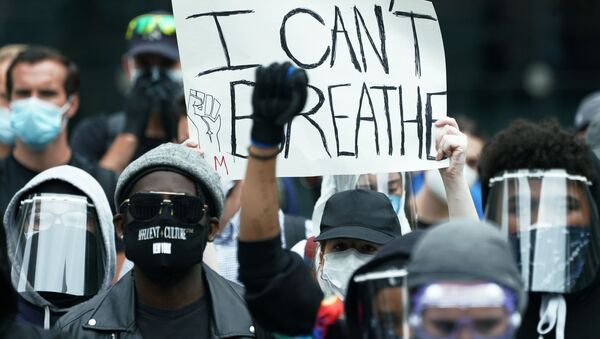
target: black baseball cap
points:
(153, 33)
(359, 214)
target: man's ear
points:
(118, 222)
(213, 228)
(73, 106)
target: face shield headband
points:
(382, 304)
(551, 221)
(445, 310)
(58, 246)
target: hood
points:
(88, 185)
(465, 250)
(394, 254)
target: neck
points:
(155, 129)
(430, 208)
(171, 296)
(54, 154)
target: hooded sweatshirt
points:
(34, 308)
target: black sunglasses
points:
(146, 206)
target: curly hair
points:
(541, 145)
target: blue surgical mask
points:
(36, 122)
(7, 136)
(395, 200)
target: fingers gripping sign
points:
(280, 95)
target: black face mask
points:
(164, 249)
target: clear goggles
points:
(383, 303)
(58, 245)
(463, 310)
(551, 221)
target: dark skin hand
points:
(191, 287)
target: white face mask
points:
(338, 268)
(434, 181)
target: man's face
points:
(388, 306)
(474, 151)
(575, 204)
(342, 244)
(44, 80)
(483, 321)
(146, 62)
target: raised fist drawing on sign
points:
(207, 108)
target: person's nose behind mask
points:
(36, 122)
(338, 268)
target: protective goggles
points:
(551, 221)
(445, 310)
(146, 24)
(147, 206)
(383, 303)
(59, 245)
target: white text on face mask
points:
(169, 232)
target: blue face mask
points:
(7, 136)
(395, 200)
(36, 122)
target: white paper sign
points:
(376, 71)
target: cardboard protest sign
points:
(377, 81)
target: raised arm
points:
(452, 143)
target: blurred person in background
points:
(589, 107)
(462, 283)
(152, 113)
(541, 189)
(7, 136)
(60, 240)
(431, 201)
(592, 136)
(43, 92)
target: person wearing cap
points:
(542, 191)
(60, 241)
(587, 110)
(462, 283)
(169, 202)
(152, 111)
(353, 222)
(43, 91)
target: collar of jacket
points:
(229, 314)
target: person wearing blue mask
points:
(151, 114)
(7, 136)
(42, 87)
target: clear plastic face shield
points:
(396, 186)
(383, 304)
(551, 221)
(449, 310)
(58, 245)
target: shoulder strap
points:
(294, 229)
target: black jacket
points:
(112, 314)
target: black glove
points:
(167, 91)
(279, 95)
(138, 106)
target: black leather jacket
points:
(112, 314)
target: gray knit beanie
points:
(180, 159)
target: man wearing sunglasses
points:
(151, 114)
(169, 202)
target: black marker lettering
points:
(334, 117)
(386, 105)
(235, 117)
(216, 16)
(429, 121)
(412, 17)
(334, 33)
(284, 42)
(359, 118)
(419, 122)
(383, 59)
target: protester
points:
(151, 115)
(43, 91)
(430, 200)
(60, 243)
(265, 269)
(169, 203)
(293, 230)
(587, 110)
(9, 328)
(7, 137)
(592, 136)
(541, 189)
(459, 291)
